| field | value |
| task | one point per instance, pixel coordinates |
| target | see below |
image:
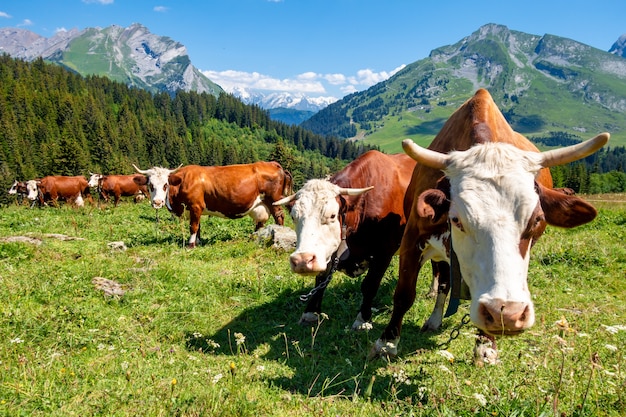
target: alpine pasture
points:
(89, 326)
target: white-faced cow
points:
(487, 190)
(118, 186)
(352, 222)
(19, 190)
(231, 191)
(54, 188)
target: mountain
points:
(284, 107)
(619, 47)
(130, 55)
(542, 84)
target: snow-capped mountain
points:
(275, 100)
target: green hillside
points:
(542, 84)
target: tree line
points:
(56, 122)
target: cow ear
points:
(565, 210)
(433, 203)
(174, 179)
(140, 179)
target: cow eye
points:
(151, 187)
(457, 223)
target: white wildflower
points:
(614, 329)
(240, 339)
(449, 356)
(445, 369)
(124, 365)
(217, 378)
(16, 340)
(481, 399)
(611, 347)
(260, 368)
(401, 377)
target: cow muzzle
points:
(306, 263)
(504, 318)
(158, 203)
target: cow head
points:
(94, 179)
(316, 213)
(13, 189)
(32, 189)
(157, 180)
(496, 212)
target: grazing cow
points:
(484, 191)
(54, 188)
(19, 190)
(118, 186)
(352, 222)
(231, 191)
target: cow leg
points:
(314, 306)
(195, 214)
(441, 274)
(403, 298)
(369, 289)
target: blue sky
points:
(319, 47)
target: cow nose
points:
(504, 317)
(305, 263)
(157, 203)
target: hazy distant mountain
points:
(130, 55)
(541, 84)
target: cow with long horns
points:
(484, 192)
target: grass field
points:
(213, 331)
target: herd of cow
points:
(478, 199)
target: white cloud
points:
(57, 30)
(25, 22)
(99, 1)
(308, 83)
(3, 14)
(160, 9)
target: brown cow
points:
(231, 191)
(54, 188)
(118, 186)
(484, 190)
(341, 220)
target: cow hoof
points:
(308, 318)
(485, 354)
(431, 325)
(384, 349)
(360, 324)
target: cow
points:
(482, 195)
(54, 188)
(231, 191)
(117, 186)
(351, 222)
(19, 190)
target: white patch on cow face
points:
(493, 198)
(31, 188)
(158, 185)
(94, 179)
(315, 215)
(13, 189)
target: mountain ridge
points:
(540, 83)
(132, 55)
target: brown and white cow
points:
(355, 218)
(118, 186)
(488, 190)
(19, 190)
(231, 191)
(55, 187)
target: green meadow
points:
(156, 329)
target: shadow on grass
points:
(328, 358)
(430, 127)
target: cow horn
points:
(574, 152)
(284, 200)
(354, 191)
(141, 171)
(425, 156)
